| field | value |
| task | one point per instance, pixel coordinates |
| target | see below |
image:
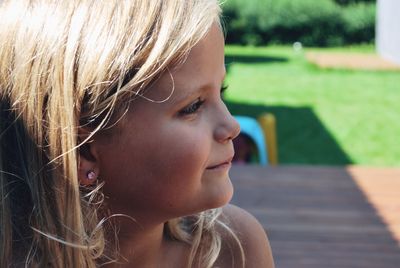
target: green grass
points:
(332, 117)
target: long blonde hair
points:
(68, 64)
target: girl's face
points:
(172, 158)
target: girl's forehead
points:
(203, 68)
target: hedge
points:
(312, 22)
(349, 2)
(359, 20)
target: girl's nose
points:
(228, 128)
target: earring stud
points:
(91, 175)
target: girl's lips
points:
(223, 165)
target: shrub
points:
(308, 21)
(359, 21)
(312, 22)
(350, 2)
(242, 21)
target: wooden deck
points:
(325, 217)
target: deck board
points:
(325, 216)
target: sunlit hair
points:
(70, 64)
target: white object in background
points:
(388, 30)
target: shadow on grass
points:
(232, 58)
(302, 137)
(239, 58)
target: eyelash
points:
(223, 89)
(192, 108)
(195, 106)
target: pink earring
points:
(91, 175)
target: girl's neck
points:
(147, 246)
(141, 246)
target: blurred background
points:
(315, 86)
(314, 65)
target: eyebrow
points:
(191, 91)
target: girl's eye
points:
(192, 108)
(195, 106)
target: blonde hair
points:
(68, 64)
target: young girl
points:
(115, 145)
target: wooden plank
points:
(382, 193)
(324, 216)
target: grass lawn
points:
(332, 117)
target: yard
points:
(325, 117)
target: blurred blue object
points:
(252, 128)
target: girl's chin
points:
(220, 196)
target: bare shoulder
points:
(252, 237)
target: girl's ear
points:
(88, 168)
